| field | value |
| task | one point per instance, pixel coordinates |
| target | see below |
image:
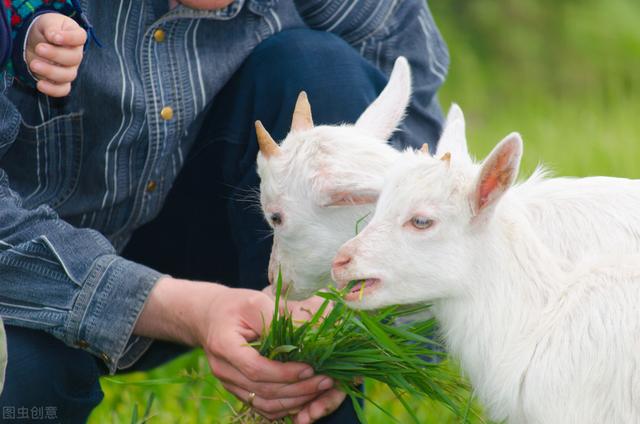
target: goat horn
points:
(446, 157)
(268, 146)
(425, 149)
(302, 119)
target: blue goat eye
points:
(422, 222)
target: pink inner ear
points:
(344, 198)
(498, 177)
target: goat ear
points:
(351, 197)
(384, 115)
(499, 171)
(453, 138)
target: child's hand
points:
(54, 51)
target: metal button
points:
(159, 35)
(166, 113)
(151, 186)
(105, 357)
(82, 344)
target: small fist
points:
(54, 51)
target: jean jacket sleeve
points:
(3, 355)
(5, 35)
(66, 281)
(382, 30)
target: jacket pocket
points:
(44, 162)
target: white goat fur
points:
(543, 340)
(323, 181)
(328, 163)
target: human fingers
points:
(69, 36)
(324, 405)
(312, 386)
(64, 56)
(233, 347)
(303, 310)
(53, 90)
(270, 408)
(232, 327)
(52, 72)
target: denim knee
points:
(46, 378)
(339, 81)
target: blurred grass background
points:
(564, 73)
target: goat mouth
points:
(362, 288)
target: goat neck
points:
(491, 329)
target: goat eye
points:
(276, 219)
(422, 222)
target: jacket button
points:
(159, 35)
(82, 344)
(151, 186)
(166, 113)
(105, 357)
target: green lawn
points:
(565, 74)
(184, 392)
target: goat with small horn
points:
(301, 121)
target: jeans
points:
(210, 227)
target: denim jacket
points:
(3, 355)
(79, 174)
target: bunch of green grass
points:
(348, 345)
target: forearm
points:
(5, 36)
(3, 354)
(175, 309)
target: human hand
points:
(321, 406)
(329, 401)
(237, 317)
(54, 52)
(223, 321)
(301, 310)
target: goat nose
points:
(341, 260)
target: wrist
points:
(176, 310)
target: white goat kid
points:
(322, 180)
(541, 340)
